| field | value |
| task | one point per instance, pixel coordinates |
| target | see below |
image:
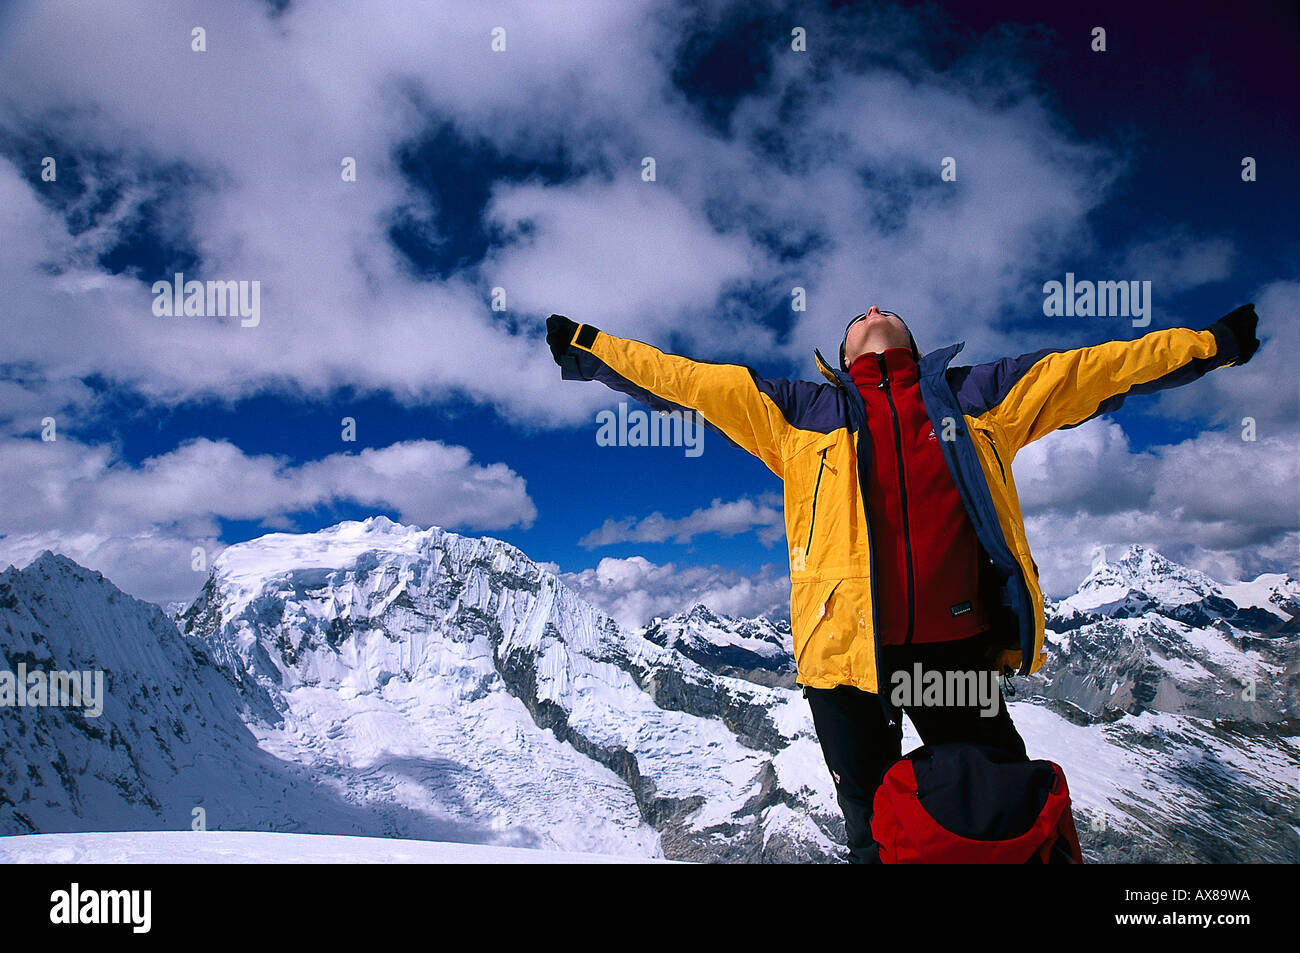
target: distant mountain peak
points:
(1140, 570)
(1144, 562)
(702, 613)
(48, 559)
(757, 648)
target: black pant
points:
(859, 744)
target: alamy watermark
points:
(57, 689)
(133, 908)
(643, 428)
(922, 688)
(212, 299)
(1101, 299)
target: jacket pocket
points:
(808, 609)
(825, 466)
(812, 522)
(996, 456)
(816, 470)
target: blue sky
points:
(521, 170)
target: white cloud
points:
(635, 590)
(1090, 467)
(1216, 502)
(138, 524)
(1064, 546)
(763, 515)
(264, 117)
(1177, 261)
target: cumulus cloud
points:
(763, 515)
(1177, 261)
(235, 154)
(635, 590)
(1216, 502)
(139, 524)
(1065, 545)
(1090, 467)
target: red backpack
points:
(973, 804)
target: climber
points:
(907, 546)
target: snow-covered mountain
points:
(172, 736)
(385, 680)
(755, 649)
(1144, 633)
(455, 675)
(1142, 580)
(376, 679)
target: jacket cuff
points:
(1227, 347)
(580, 365)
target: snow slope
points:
(261, 847)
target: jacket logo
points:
(960, 608)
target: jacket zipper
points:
(902, 492)
(857, 411)
(893, 718)
(996, 456)
(821, 466)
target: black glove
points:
(1241, 323)
(559, 335)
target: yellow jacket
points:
(807, 434)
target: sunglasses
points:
(844, 340)
(894, 314)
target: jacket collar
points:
(898, 365)
(830, 373)
(936, 362)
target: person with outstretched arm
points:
(906, 541)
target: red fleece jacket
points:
(926, 552)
